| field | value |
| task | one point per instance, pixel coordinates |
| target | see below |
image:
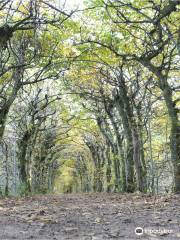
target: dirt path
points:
(90, 217)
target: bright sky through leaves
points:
(71, 4)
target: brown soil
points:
(90, 217)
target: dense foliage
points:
(89, 97)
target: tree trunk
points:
(130, 186)
(133, 139)
(108, 168)
(23, 146)
(4, 110)
(119, 161)
(109, 135)
(140, 167)
(7, 171)
(174, 134)
(3, 116)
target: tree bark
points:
(174, 133)
(133, 138)
(23, 175)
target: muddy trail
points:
(90, 217)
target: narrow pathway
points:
(90, 217)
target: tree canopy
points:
(89, 97)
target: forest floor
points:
(90, 217)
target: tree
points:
(152, 43)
